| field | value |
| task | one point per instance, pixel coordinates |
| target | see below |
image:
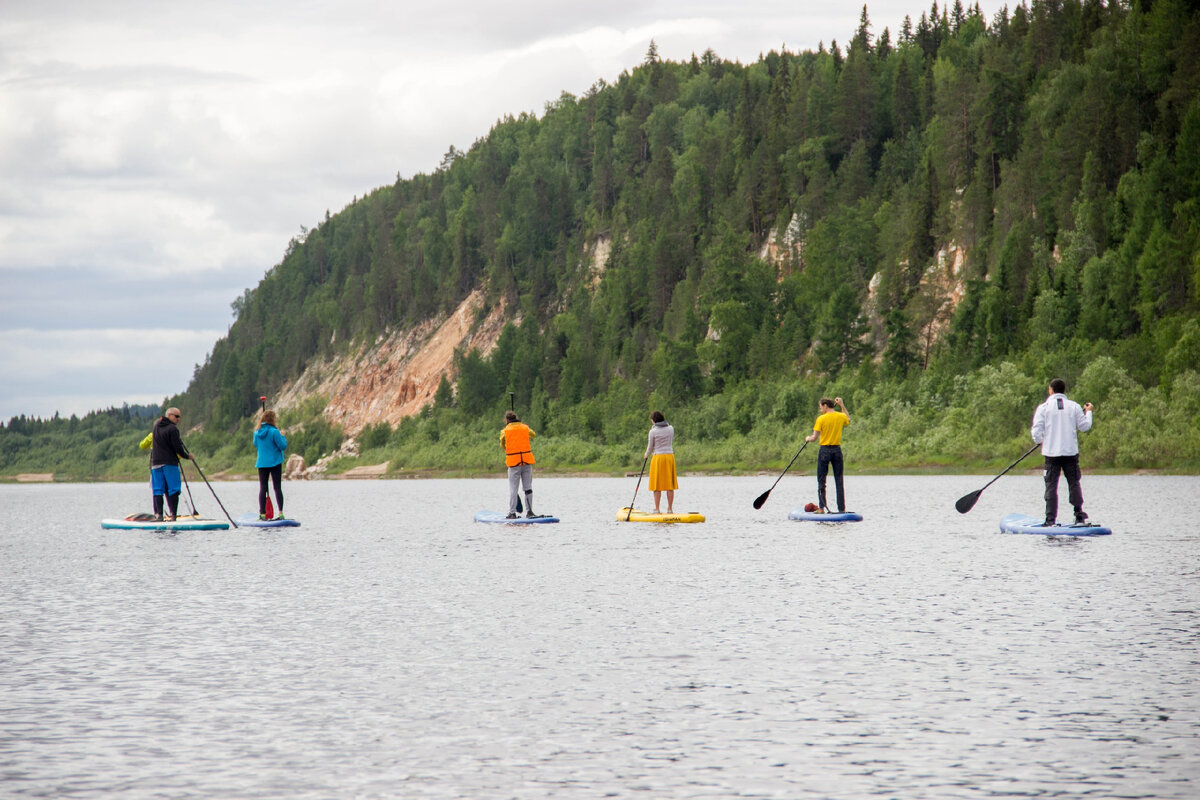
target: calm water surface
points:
(391, 647)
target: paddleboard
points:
(624, 515)
(496, 516)
(1023, 523)
(251, 520)
(834, 516)
(181, 523)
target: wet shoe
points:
(531, 515)
(1081, 518)
(511, 515)
(1049, 523)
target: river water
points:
(391, 647)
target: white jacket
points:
(1055, 424)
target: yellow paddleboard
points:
(650, 516)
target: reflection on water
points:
(392, 647)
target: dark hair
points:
(511, 416)
(1059, 386)
(657, 416)
(825, 401)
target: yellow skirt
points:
(662, 473)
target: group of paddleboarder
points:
(166, 448)
(1056, 425)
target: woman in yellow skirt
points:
(660, 450)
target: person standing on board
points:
(270, 444)
(1056, 426)
(518, 457)
(828, 428)
(660, 450)
(166, 448)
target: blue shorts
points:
(164, 480)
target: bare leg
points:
(670, 501)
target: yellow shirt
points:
(830, 425)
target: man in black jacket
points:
(165, 451)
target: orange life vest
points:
(516, 444)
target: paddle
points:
(214, 491)
(269, 508)
(635, 489)
(512, 407)
(188, 486)
(967, 501)
(762, 498)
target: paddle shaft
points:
(513, 408)
(188, 486)
(762, 498)
(975, 495)
(637, 486)
(214, 492)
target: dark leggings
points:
(275, 473)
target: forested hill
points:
(932, 222)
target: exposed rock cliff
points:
(397, 375)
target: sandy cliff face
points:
(399, 374)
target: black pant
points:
(1068, 466)
(275, 474)
(830, 454)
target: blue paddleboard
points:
(1023, 523)
(251, 520)
(496, 516)
(834, 516)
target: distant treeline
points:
(1052, 151)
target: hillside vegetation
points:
(931, 223)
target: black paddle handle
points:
(637, 486)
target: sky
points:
(157, 157)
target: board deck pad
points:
(1023, 523)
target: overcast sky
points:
(156, 157)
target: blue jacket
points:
(270, 444)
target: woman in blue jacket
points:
(270, 444)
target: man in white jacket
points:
(1056, 424)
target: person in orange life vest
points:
(828, 428)
(518, 457)
(661, 452)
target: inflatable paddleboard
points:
(1023, 523)
(650, 516)
(496, 516)
(834, 516)
(146, 522)
(251, 520)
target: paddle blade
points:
(762, 498)
(967, 501)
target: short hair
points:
(1059, 386)
(825, 401)
(657, 416)
(510, 416)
